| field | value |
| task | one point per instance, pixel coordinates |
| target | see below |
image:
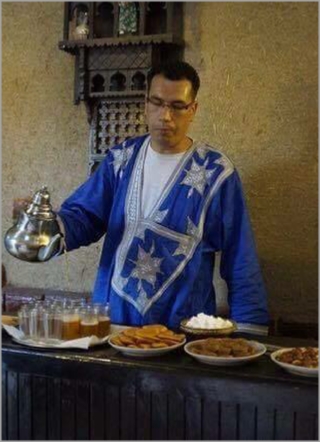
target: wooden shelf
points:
(109, 94)
(73, 45)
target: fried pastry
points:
(148, 336)
(301, 357)
(223, 347)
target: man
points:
(166, 204)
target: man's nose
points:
(165, 114)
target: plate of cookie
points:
(225, 351)
(145, 341)
(302, 361)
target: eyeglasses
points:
(175, 108)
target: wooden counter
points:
(99, 394)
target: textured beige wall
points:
(258, 103)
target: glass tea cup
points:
(70, 320)
(89, 324)
(52, 324)
(24, 319)
(103, 313)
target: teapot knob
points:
(42, 196)
(40, 206)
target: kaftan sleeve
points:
(85, 213)
(240, 267)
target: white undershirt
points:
(156, 171)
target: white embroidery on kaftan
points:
(146, 267)
(202, 151)
(160, 215)
(142, 300)
(197, 177)
(191, 228)
(121, 157)
(140, 232)
(182, 249)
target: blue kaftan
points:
(160, 269)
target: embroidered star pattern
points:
(182, 249)
(146, 267)
(160, 215)
(142, 299)
(191, 228)
(121, 157)
(197, 177)
(202, 152)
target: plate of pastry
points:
(225, 351)
(148, 340)
(301, 361)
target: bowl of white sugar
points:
(208, 325)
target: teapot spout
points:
(54, 248)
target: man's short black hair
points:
(178, 70)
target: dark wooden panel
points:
(265, 423)
(67, 410)
(285, 425)
(315, 427)
(12, 400)
(39, 409)
(82, 411)
(159, 414)
(176, 416)
(169, 381)
(25, 406)
(304, 426)
(112, 412)
(4, 411)
(229, 421)
(128, 413)
(210, 420)
(143, 411)
(247, 414)
(193, 426)
(97, 412)
(54, 408)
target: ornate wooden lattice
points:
(113, 122)
(111, 66)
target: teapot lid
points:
(40, 206)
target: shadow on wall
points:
(283, 205)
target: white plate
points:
(293, 369)
(224, 361)
(144, 352)
(56, 343)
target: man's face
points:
(169, 123)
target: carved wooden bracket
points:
(115, 44)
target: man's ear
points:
(194, 109)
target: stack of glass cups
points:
(40, 322)
(63, 320)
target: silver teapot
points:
(36, 236)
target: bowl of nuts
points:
(302, 361)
